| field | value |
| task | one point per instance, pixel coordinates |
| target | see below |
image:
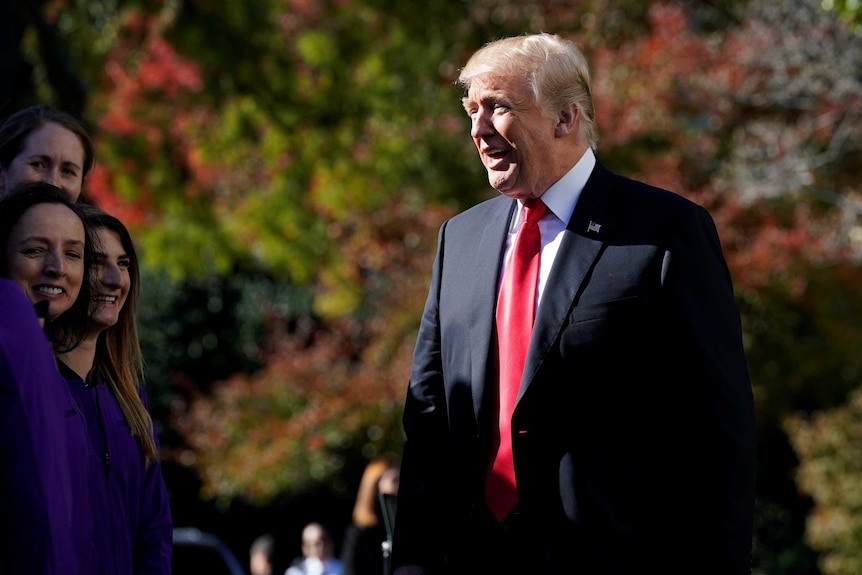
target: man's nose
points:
(480, 125)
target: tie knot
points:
(534, 210)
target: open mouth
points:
(496, 153)
(495, 159)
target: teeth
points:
(105, 298)
(49, 290)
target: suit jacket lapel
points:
(587, 231)
(491, 241)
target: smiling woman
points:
(46, 246)
(133, 528)
(46, 255)
(46, 523)
(44, 144)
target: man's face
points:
(313, 542)
(515, 141)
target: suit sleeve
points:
(422, 495)
(696, 274)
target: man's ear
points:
(567, 121)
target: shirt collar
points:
(562, 196)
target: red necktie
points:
(516, 310)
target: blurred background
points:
(285, 164)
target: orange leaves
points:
(140, 70)
(828, 447)
(638, 86)
(165, 71)
(100, 192)
(277, 431)
(327, 388)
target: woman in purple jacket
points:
(46, 525)
(130, 502)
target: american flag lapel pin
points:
(594, 227)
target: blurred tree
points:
(34, 60)
(831, 471)
(850, 10)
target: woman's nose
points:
(111, 276)
(54, 264)
(52, 176)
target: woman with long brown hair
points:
(130, 502)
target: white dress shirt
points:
(560, 198)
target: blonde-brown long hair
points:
(365, 510)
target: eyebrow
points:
(48, 157)
(121, 257)
(494, 96)
(48, 240)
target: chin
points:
(103, 323)
(55, 311)
(515, 194)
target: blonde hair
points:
(555, 70)
(365, 510)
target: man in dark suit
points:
(626, 443)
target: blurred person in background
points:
(46, 525)
(266, 556)
(41, 143)
(130, 502)
(362, 552)
(317, 553)
(260, 555)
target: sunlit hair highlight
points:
(555, 70)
